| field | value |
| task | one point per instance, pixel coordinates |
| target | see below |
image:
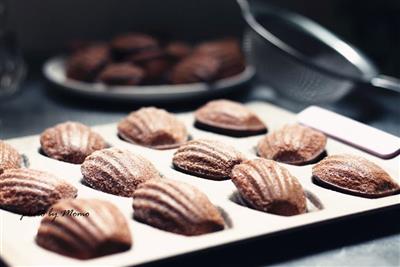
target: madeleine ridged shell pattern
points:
(269, 187)
(354, 175)
(176, 207)
(9, 157)
(70, 142)
(117, 171)
(207, 158)
(32, 192)
(98, 228)
(292, 144)
(153, 127)
(230, 117)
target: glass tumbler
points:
(12, 67)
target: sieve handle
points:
(386, 82)
(349, 131)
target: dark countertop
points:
(368, 240)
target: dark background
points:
(44, 26)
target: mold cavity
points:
(228, 132)
(288, 156)
(312, 201)
(41, 152)
(159, 219)
(25, 161)
(227, 218)
(198, 175)
(157, 147)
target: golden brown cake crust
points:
(117, 171)
(153, 127)
(292, 144)
(70, 142)
(354, 175)
(9, 157)
(32, 192)
(100, 230)
(269, 187)
(207, 158)
(227, 115)
(176, 207)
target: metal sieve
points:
(302, 60)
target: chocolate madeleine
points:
(178, 50)
(269, 187)
(195, 69)
(117, 171)
(227, 52)
(121, 74)
(207, 158)
(9, 157)
(32, 192)
(229, 118)
(293, 144)
(86, 63)
(132, 43)
(84, 229)
(354, 175)
(153, 127)
(70, 142)
(176, 207)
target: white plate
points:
(54, 70)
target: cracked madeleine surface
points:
(176, 207)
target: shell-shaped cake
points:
(269, 187)
(70, 142)
(228, 117)
(293, 144)
(84, 229)
(195, 68)
(207, 158)
(176, 207)
(32, 192)
(153, 127)
(354, 175)
(117, 171)
(9, 157)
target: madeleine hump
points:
(9, 157)
(293, 144)
(354, 175)
(70, 142)
(207, 158)
(153, 127)
(117, 171)
(176, 207)
(229, 118)
(269, 187)
(97, 229)
(31, 192)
